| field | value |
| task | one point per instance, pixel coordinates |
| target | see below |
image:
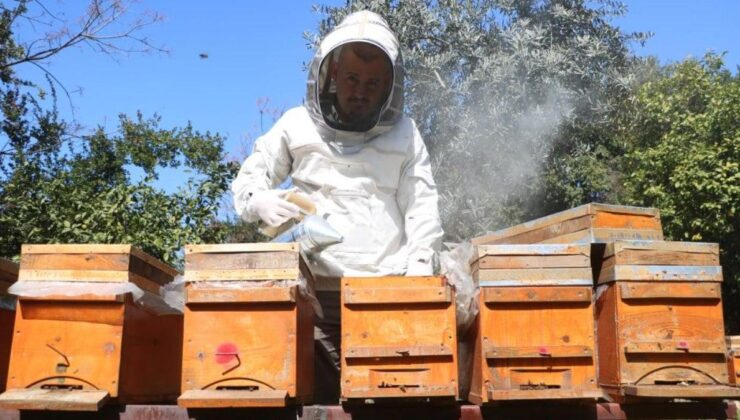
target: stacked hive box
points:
(74, 352)
(535, 329)
(659, 321)
(733, 359)
(590, 223)
(8, 275)
(398, 338)
(248, 342)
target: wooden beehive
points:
(398, 338)
(8, 276)
(733, 359)
(77, 352)
(247, 343)
(535, 329)
(659, 321)
(589, 223)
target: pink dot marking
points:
(226, 352)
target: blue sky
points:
(255, 50)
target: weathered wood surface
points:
(670, 290)
(733, 359)
(248, 261)
(588, 223)
(48, 399)
(232, 398)
(384, 295)
(94, 263)
(536, 294)
(403, 346)
(245, 295)
(8, 274)
(660, 273)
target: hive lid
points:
(244, 262)
(589, 223)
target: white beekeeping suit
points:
(375, 185)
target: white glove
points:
(271, 207)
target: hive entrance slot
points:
(664, 382)
(238, 388)
(64, 387)
(530, 386)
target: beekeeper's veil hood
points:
(365, 27)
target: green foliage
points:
(83, 191)
(682, 134)
(513, 100)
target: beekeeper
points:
(362, 163)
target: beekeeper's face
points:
(363, 78)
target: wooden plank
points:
(533, 250)
(646, 257)
(154, 262)
(356, 352)
(674, 346)
(211, 398)
(246, 247)
(536, 234)
(535, 294)
(685, 290)
(422, 391)
(534, 283)
(544, 394)
(604, 235)
(492, 352)
(144, 283)
(680, 391)
(85, 262)
(229, 275)
(534, 274)
(666, 246)
(393, 281)
(246, 260)
(733, 342)
(551, 261)
(74, 275)
(246, 295)
(49, 399)
(391, 295)
(76, 249)
(661, 273)
(154, 273)
(8, 271)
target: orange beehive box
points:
(248, 328)
(659, 321)
(589, 223)
(398, 338)
(76, 352)
(535, 329)
(733, 359)
(8, 276)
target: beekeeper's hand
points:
(271, 207)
